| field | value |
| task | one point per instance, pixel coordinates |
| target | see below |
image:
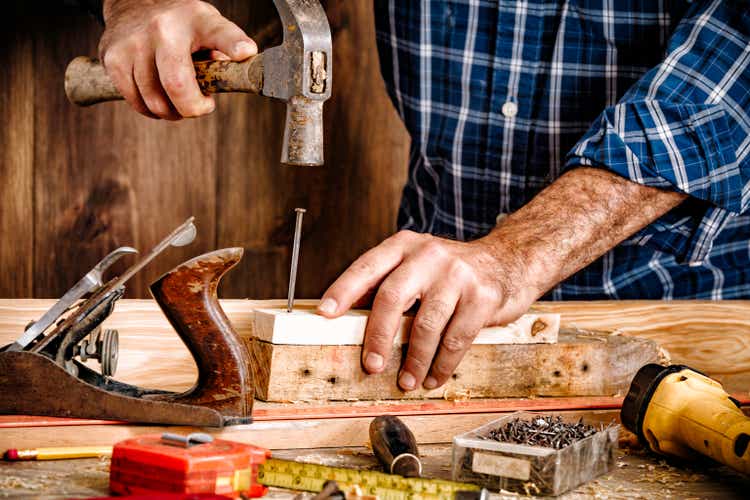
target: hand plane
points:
(44, 371)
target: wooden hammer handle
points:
(87, 83)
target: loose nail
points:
(328, 306)
(373, 361)
(407, 381)
(430, 383)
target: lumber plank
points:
(106, 176)
(712, 336)
(265, 411)
(578, 365)
(78, 182)
(303, 327)
(16, 153)
(356, 194)
(281, 434)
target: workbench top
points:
(710, 336)
(636, 475)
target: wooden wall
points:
(77, 183)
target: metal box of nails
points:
(534, 454)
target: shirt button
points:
(500, 217)
(510, 109)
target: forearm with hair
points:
(574, 221)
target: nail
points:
(328, 306)
(244, 49)
(373, 361)
(430, 383)
(407, 381)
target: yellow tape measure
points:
(311, 477)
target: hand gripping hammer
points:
(297, 72)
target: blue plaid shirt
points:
(501, 97)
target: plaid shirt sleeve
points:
(685, 126)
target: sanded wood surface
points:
(710, 336)
(78, 182)
(578, 365)
(266, 412)
(277, 434)
(302, 326)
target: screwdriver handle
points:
(394, 445)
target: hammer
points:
(297, 72)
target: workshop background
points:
(79, 182)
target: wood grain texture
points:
(578, 365)
(79, 182)
(16, 155)
(708, 335)
(106, 176)
(711, 336)
(269, 411)
(281, 434)
(303, 326)
(357, 191)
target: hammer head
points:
(299, 72)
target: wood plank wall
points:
(76, 182)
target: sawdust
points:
(17, 483)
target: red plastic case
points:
(146, 464)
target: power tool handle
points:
(87, 82)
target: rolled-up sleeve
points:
(685, 126)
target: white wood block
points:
(303, 326)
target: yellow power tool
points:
(678, 411)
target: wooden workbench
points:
(636, 475)
(709, 336)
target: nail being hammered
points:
(295, 258)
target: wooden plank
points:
(282, 434)
(711, 336)
(265, 412)
(106, 176)
(579, 365)
(357, 191)
(16, 153)
(302, 326)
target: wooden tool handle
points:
(187, 296)
(394, 445)
(87, 83)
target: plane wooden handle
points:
(187, 296)
(87, 82)
(394, 445)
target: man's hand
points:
(147, 47)
(463, 287)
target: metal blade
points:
(90, 282)
(179, 237)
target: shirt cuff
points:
(680, 147)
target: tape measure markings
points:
(311, 477)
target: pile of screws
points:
(549, 432)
